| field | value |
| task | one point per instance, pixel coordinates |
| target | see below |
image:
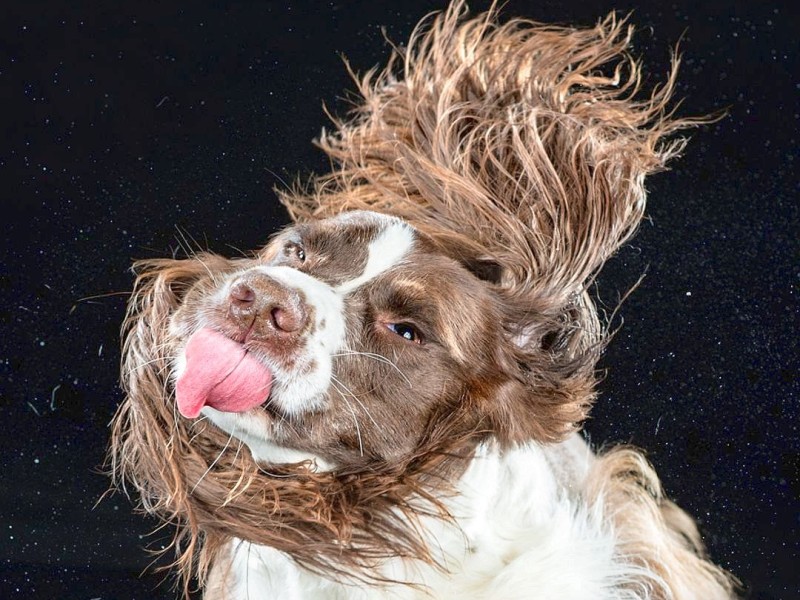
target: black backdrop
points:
(123, 125)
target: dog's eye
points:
(405, 331)
(294, 251)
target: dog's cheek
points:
(181, 322)
(384, 425)
(194, 309)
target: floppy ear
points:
(146, 413)
(531, 142)
(149, 444)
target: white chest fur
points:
(522, 531)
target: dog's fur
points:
(485, 178)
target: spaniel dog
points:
(384, 401)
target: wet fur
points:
(518, 150)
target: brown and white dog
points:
(383, 402)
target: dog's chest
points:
(521, 532)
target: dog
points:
(385, 400)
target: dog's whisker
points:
(235, 491)
(185, 241)
(216, 460)
(194, 425)
(355, 397)
(379, 358)
(352, 412)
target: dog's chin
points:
(256, 429)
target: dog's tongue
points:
(221, 374)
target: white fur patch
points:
(272, 574)
(522, 530)
(388, 249)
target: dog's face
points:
(359, 335)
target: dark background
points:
(123, 127)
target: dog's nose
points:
(242, 294)
(262, 306)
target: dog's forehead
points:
(391, 241)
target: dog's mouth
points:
(220, 373)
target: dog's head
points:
(357, 339)
(431, 294)
(301, 397)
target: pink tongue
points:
(220, 373)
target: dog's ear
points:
(531, 142)
(160, 287)
(150, 449)
(546, 371)
(160, 456)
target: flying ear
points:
(149, 450)
(158, 291)
(145, 420)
